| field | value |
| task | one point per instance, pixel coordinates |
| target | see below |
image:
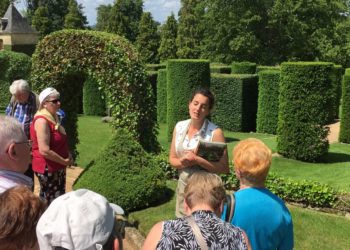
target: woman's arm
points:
(153, 237)
(219, 167)
(42, 129)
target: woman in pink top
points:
(50, 147)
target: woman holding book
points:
(186, 137)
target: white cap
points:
(80, 219)
(46, 92)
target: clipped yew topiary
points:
(235, 101)
(267, 115)
(93, 99)
(161, 96)
(336, 76)
(124, 173)
(13, 66)
(183, 76)
(220, 69)
(115, 65)
(243, 68)
(263, 67)
(155, 67)
(305, 98)
(344, 134)
(152, 78)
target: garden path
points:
(334, 132)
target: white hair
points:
(19, 86)
(11, 130)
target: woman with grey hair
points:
(50, 146)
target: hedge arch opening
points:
(114, 63)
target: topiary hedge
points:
(262, 67)
(183, 76)
(305, 100)
(344, 133)
(155, 67)
(243, 68)
(124, 173)
(221, 69)
(13, 66)
(115, 65)
(152, 78)
(236, 101)
(336, 76)
(161, 96)
(93, 99)
(267, 115)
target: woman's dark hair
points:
(207, 93)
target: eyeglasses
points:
(28, 142)
(55, 101)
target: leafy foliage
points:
(344, 134)
(305, 103)
(4, 4)
(115, 66)
(336, 76)
(243, 68)
(75, 18)
(162, 96)
(183, 76)
(147, 41)
(103, 15)
(93, 100)
(125, 174)
(267, 115)
(41, 21)
(168, 33)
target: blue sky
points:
(160, 9)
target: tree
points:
(190, 30)
(41, 21)
(75, 18)
(147, 41)
(168, 34)
(124, 18)
(103, 13)
(4, 4)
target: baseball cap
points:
(80, 219)
(46, 92)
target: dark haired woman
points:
(185, 140)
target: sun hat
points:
(80, 219)
(46, 92)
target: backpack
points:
(230, 207)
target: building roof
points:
(15, 22)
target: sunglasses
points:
(55, 101)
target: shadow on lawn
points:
(165, 195)
(332, 157)
(231, 139)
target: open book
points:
(211, 151)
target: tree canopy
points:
(168, 33)
(75, 18)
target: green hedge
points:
(267, 115)
(125, 174)
(236, 101)
(93, 99)
(344, 134)
(13, 66)
(155, 67)
(115, 65)
(336, 75)
(262, 67)
(183, 76)
(243, 68)
(152, 78)
(305, 101)
(161, 96)
(24, 48)
(220, 69)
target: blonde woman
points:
(50, 146)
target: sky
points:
(160, 9)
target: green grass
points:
(93, 136)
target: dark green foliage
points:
(13, 66)
(267, 115)
(114, 64)
(162, 96)
(147, 41)
(103, 15)
(23, 48)
(309, 193)
(168, 33)
(152, 78)
(75, 18)
(183, 76)
(155, 67)
(93, 99)
(125, 174)
(236, 98)
(162, 160)
(243, 68)
(262, 67)
(344, 135)
(41, 21)
(221, 69)
(4, 4)
(305, 102)
(337, 75)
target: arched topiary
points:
(114, 64)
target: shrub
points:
(267, 115)
(115, 65)
(236, 101)
(13, 66)
(262, 67)
(162, 160)
(336, 77)
(155, 67)
(152, 78)
(93, 100)
(124, 173)
(161, 96)
(221, 69)
(305, 100)
(243, 68)
(183, 76)
(344, 134)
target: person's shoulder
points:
(182, 124)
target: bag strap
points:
(230, 207)
(197, 233)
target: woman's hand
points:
(69, 161)
(188, 159)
